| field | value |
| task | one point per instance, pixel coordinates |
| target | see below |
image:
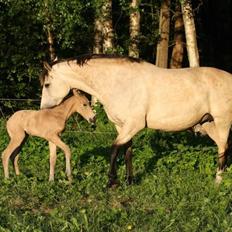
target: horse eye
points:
(46, 85)
(84, 104)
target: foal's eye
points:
(84, 104)
(46, 85)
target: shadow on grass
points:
(161, 143)
(98, 152)
(186, 138)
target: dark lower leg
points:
(128, 161)
(113, 172)
(222, 160)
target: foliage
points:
(20, 40)
(23, 38)
(173, 187)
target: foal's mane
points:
(83, 59)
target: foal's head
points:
(83, 107)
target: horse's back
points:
(33, 122)
(17, 121)
(178, 98)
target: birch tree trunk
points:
(190, 33)
(51, 48)
(108, 34)
(134, 28)
(178, 49)
(98, 46)
(162, 46)
(50, 37)
(98, 27)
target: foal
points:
(47, 124)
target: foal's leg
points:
(13, 146)
(15, 156)
(219, 132)
(53, 156)
(57, 141)
(125, 134)
(16, 166)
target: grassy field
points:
(173, 187)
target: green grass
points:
(173, 187)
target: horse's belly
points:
(176, 120)
(172, 124)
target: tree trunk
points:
(108, 35)
(178, 49)
(103, 37)
(97, 47)
(134, 28)
(162, 46)
(190, 33)
(98, 27)
(50, 37)
(51, 48)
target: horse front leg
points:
(124, 137)
(113, 169)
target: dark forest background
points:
(24, 46)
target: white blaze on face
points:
(53, 93)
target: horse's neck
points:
(86, 81)
(65, 109)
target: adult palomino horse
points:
(136, 94)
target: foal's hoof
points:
(113, 184)
(218, 180)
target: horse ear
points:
(47, 66)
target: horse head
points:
(54, 88)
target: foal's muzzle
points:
(92, 120)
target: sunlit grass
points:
(173, 187)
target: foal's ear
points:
(76, 92)
(47, 66)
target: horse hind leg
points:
(15, 156)
(12, 148)
(128, 161)
(218, 131)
